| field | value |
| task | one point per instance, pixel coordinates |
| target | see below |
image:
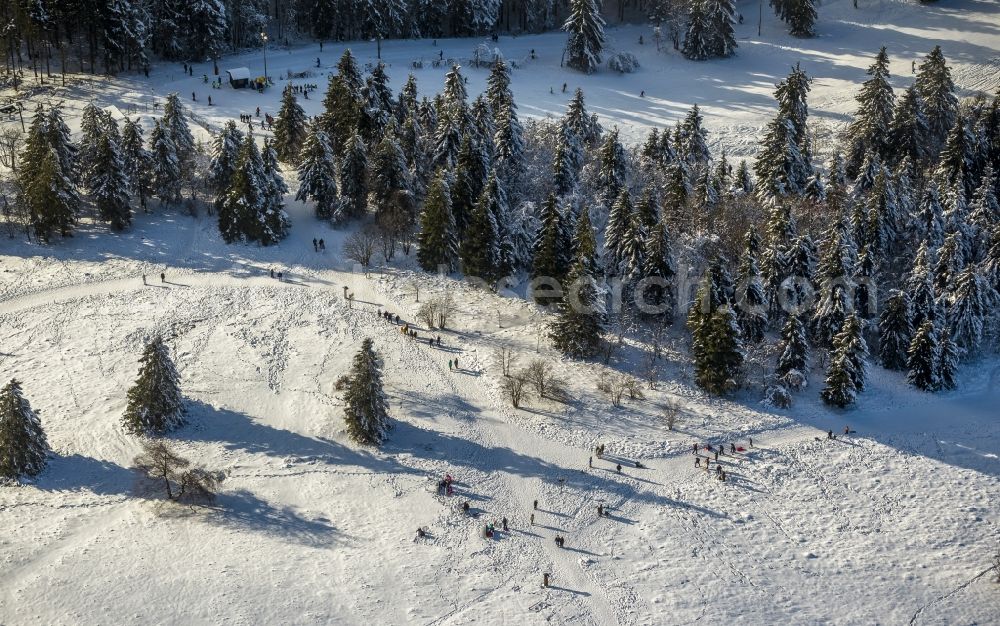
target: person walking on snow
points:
(163, 277)
(143, 279)
(449, 365)
(590, 462)
(504, 523)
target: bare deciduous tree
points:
(360, 246)
(506, 357)
(10, 141)
(166, 472)
(538, 373)
(427, 314)
(514, 388)
(671, 413)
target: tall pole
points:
(264, 37)
(760, 16)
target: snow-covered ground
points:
(896, 523)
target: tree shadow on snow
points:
(238, 431)
(76, 472)
(244, 510)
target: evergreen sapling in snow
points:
(155, 405)
(23, 446)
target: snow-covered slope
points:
(896, 523)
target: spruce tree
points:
(387, 174)
(929, 220)
(585, 244)
(721, 16)
(155, 406)
(23, 446)
(317, 173)
(509, 142)
(567, 160)
(250, 208)
(137, 160)
(949, 264)
(166, 166)
(920, 287)
(437, 240)
(175, 124)
(846, 375)
(91, 129)
(836, 286)
(480, 249)
(793, 352)
(923, 356)
(909, 133)
(341, 111)
(576, 329)
(776, 256)
(274, 220)
(582, 124)
(839, 390)
(784, 164)
(548, 259)
(611, 174)
(586, 35)
(751, 303)
(660, 269)
(225, 150)
(353, 180)
(693, 145)
(615, 232)
(60, 139)
(895, 331)
(366, 408)
(936, 89)
(869, 132)
(51, 197)
(698, 40)
(718, 352)
(947, 363)
(109, 185)
(290, 127)
(970, 303)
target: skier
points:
(193, 97)
(258, 111)
(640, 40)
(829, 434)
(317, 61)
(564, 87)
(642, 94)
(315, 245)
(272, 272)
(847, 430)
(209, 100)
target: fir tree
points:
(923, 357)
(273, 219)
(584, 126)
(800, 15)
(929, 220)
(341, 111)
(470, 177)
(955, 163)
(586, 35)
(949, 264)
(91, 130)
(869, 132)
(793, 352)
(498, 93)
(509, 142)
(775, 262)
(366, 408)
(51, 197)
(839, 390)
(23, 446)
(895, 331)
(155, 405)
(693, 144)
(353, 180)
(585, 244)
(567, 160)
(317, 173)
(290, 127)
(248, 208)
(920, 287)
(60, 140)
(437, 240)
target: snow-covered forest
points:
(626, 252)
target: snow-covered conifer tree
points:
(437, 239)
(290, 127)
(366, 408)
(586, 35)
(155, 405)
(23, 446)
